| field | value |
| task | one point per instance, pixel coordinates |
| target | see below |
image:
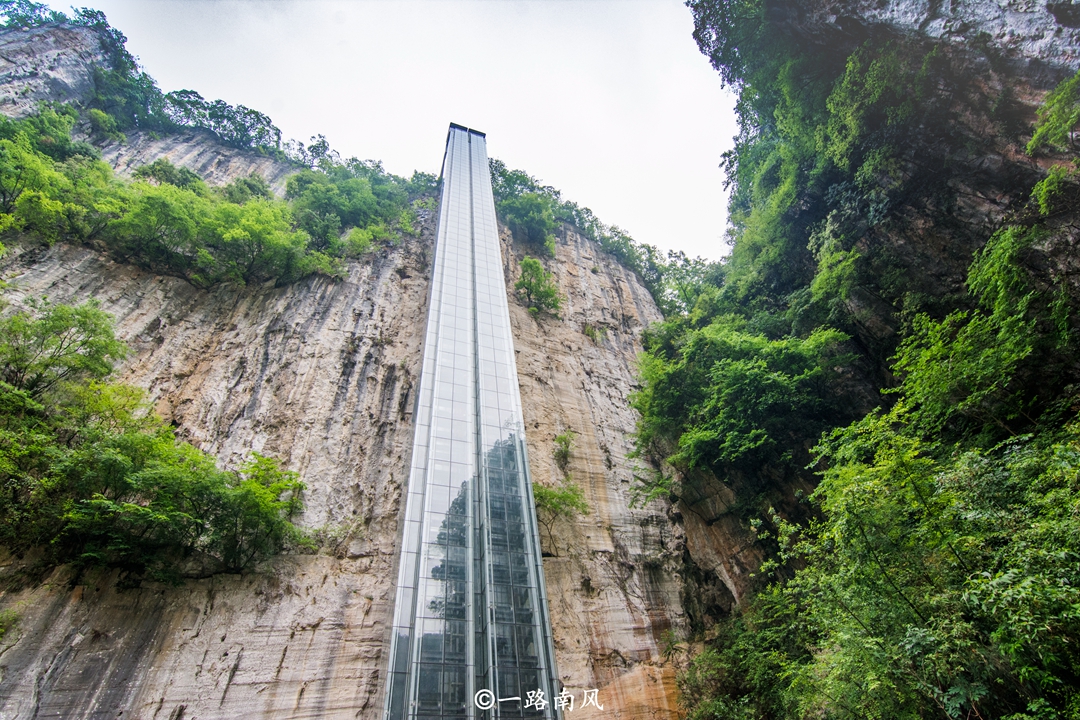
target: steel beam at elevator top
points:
(471, 635)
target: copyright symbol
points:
(484, 699)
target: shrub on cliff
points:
(537, 287)
(509, 186)
(531, 218)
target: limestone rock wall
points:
(320, 374)
(198, 151)
(1041, 36)
(56, 63)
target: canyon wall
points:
(320, 374)
(53, 64)
(613, 575)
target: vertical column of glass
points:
(430, 654)
(471, 611)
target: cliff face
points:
(198, 151)
(320, 374)
(54, 63)
(1039, 36)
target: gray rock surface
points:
(614, 575)
(1043, 35)
(198, 151)
(318, 374)
(47, 63)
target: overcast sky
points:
(609, 101)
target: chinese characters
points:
(485, 700)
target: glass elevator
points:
(471, 635)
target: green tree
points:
(88, 474)
(537, 288)
(254, 241)
(59, 343)
(252, 187)
(531, 218)
(23, 169)
(563, 501)
(161, 228)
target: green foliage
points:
(564, 442)
(684, 281)
(866, 97)
(937, 584)
(8, 620)
(1058, 116)
(938, 576)
(741, 674)
(91, 476)
(1050, 193)
(170, 221)
(237, 125)
(163, 172)
(537, 287)
(241, 190)
(565, 500)
(49, 132)
(126, 98)
(954, 578)
(57, 344)
(103, 126)
(732, 398)
(532, 216)
(595, 333)
(994, 364)
(24, 13)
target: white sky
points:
(609, 101)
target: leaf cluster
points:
(89, 475)
(537, 287)
(728, 398)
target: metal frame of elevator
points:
(470, 608)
